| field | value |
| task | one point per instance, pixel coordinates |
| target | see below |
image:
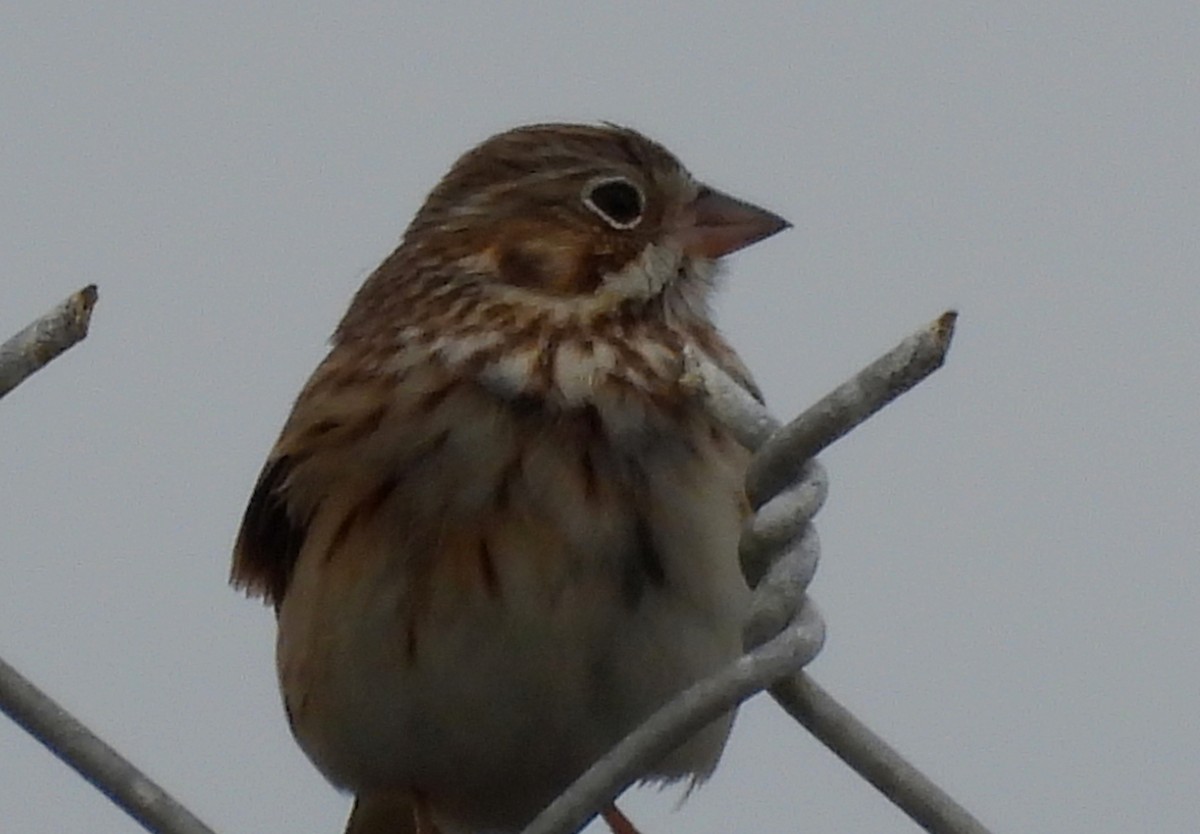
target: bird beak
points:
(715, 224)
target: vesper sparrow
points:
(497, 530)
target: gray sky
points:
(1010, 571)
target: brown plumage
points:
(497, 529)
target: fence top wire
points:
(779, 553)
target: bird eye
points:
(618, 202)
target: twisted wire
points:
(779, 552)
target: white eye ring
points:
(615, 206)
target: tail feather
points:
(382, 814)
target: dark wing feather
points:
(269, 541)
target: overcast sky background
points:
(1010, 571)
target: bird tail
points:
(382, 813)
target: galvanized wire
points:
(83, 751)
(35, 346)
(778, 550)
(787, 486)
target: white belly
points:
(489, 691)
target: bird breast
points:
(576, 551)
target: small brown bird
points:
(497, 529)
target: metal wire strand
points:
(82, 750)
(779, 543)
(36, 345)
(779, 553)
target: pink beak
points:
(716, 224)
